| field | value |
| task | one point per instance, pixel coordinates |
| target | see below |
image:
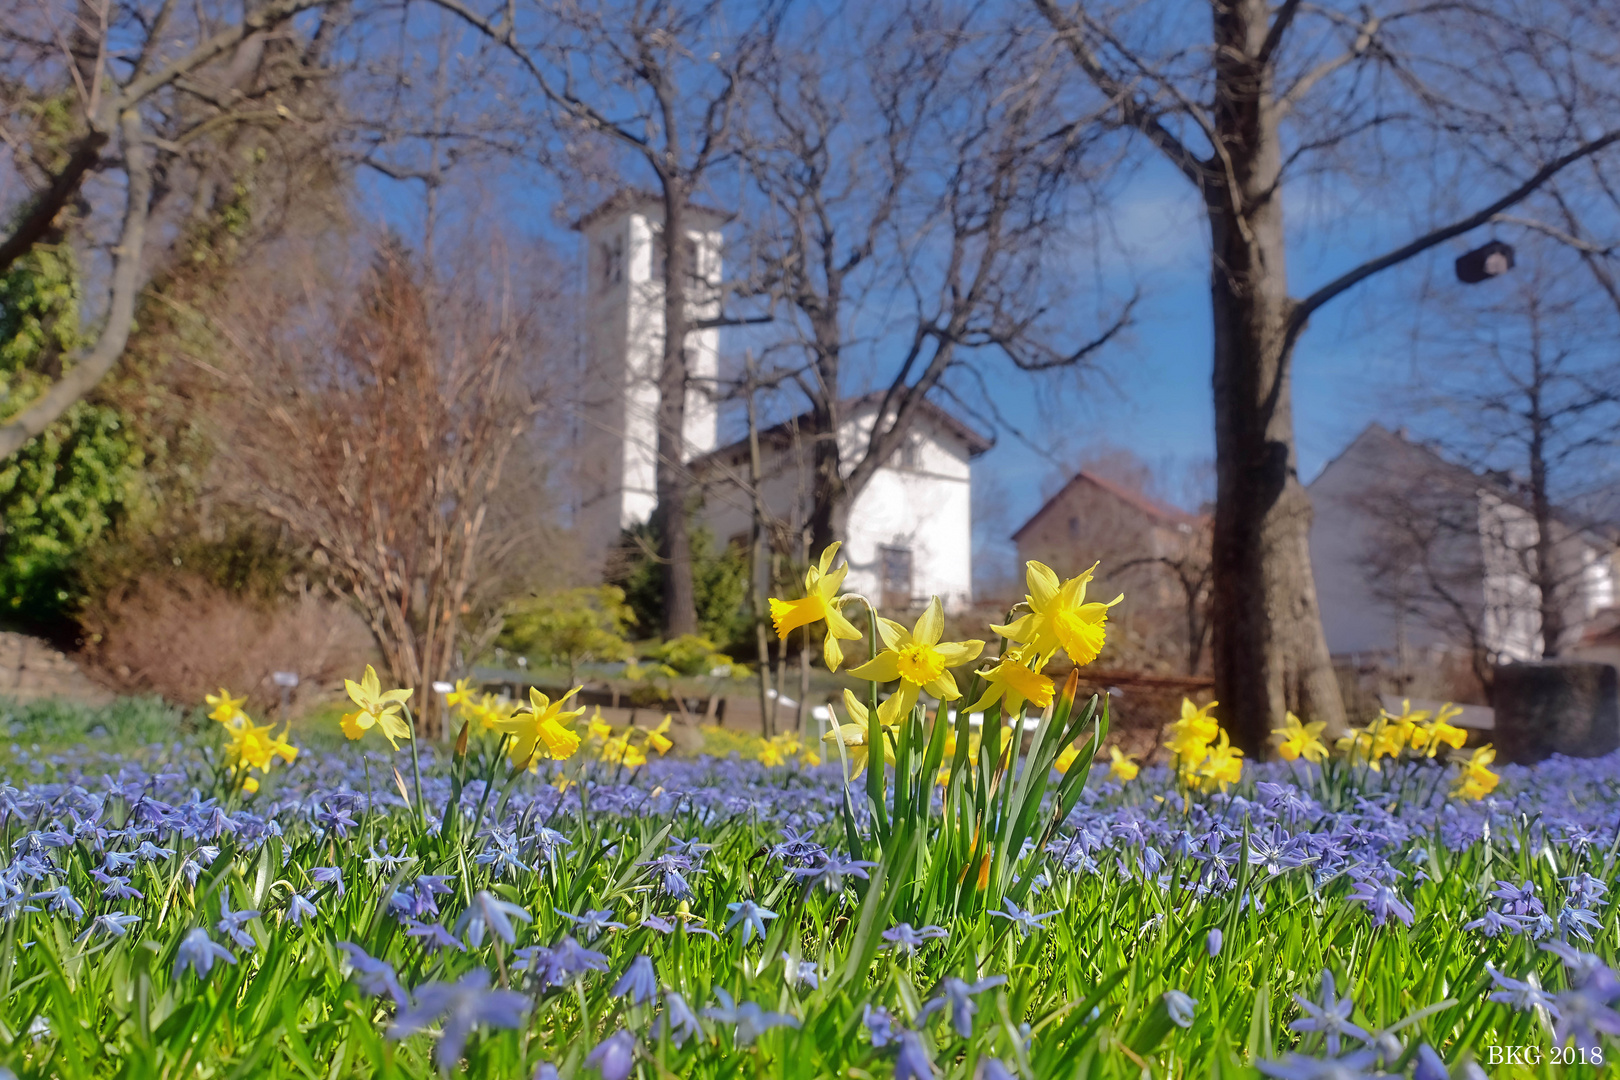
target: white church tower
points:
(618, 438)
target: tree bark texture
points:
(1270, 654)
(673, 488)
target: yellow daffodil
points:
(1388, 740)
(1059, 617)
(1013, 684)
(377, 709)
(1406, 722)
(1356, 745)
(227, 710)
(619, 752)
(1190, 736)
(598, 727)
(657, 739)
(1223, 765)
(542, 722)
(918, 659)
(1122, 768)
(820, 602)
(250, 785)
(1476, 780)
(770, 755)
(853, 735)
(1439, 732)
(1297, 740)
(1066, 758)
(462, 696)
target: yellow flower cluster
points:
(1204, 757)
(543, 730)
(1421, 734)
(377, 709)
(780, 749)
(248, 745)
(1057, 617)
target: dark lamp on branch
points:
(1484, 263)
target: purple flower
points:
(461, 1006)
(1299, 1067)
(1180, 1007)
(639, 980)
(1584, 1017)
(490, 912)
(1331, 1018)
(881, 1025)
(751, 916)
(231, 923)
(913, 1062)
(433, 935)
(59, 900)
(373, 976)
(592, 923)
(299, 908)
(198, 951)
(1383, 901)
(751, 1020)
(614, 1056)
(801, 972)
(1212, 944)
(113, 924)
(908, 940)
(1026, 922)
(957, 997)
(329, 875)
(678, 1019)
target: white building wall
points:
(618, 448)
(920, 502)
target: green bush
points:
(65, 489)
(719, 586)
(571, 626)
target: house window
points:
(894, 563)
(613, 260)
(1074, 528)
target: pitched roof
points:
(1152, 508)
(1499, 485)
(626, 199)
(782, 433)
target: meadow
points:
(546, 896)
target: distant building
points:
(1156, 554)
(911, 527)
(1416, 557)
(616, 451)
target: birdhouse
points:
(1492, 260)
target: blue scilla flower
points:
(299, 908)
(639, 981)
(59, 900)
(751, 1020)
(113, 924)
(1330, 1017)
(433, 935)
(489, 912)
(1181, 1008)
(881, 1025)
(678, 1019)
(614, 1056)
(1024, 921)
(750, 915)
(956, 996)
(458, 1008)
(198, 951)
(913, 1062)
(373, 976)
(592, 923)
(231, 923)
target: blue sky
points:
(1150, 391)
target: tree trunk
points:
(1269, 652)
(673, 515)
(1547, 570)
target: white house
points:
(910, 528)
(617, 444)
(1415, 555)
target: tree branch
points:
(37, 223)
(1303, 309)
(1134, 112)
(89, 370)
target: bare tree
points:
(930, 180)
(375, 425)
(658, 82)
(153, 95)
(1490, 534)
(1458, 111)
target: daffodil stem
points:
(416, 770)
